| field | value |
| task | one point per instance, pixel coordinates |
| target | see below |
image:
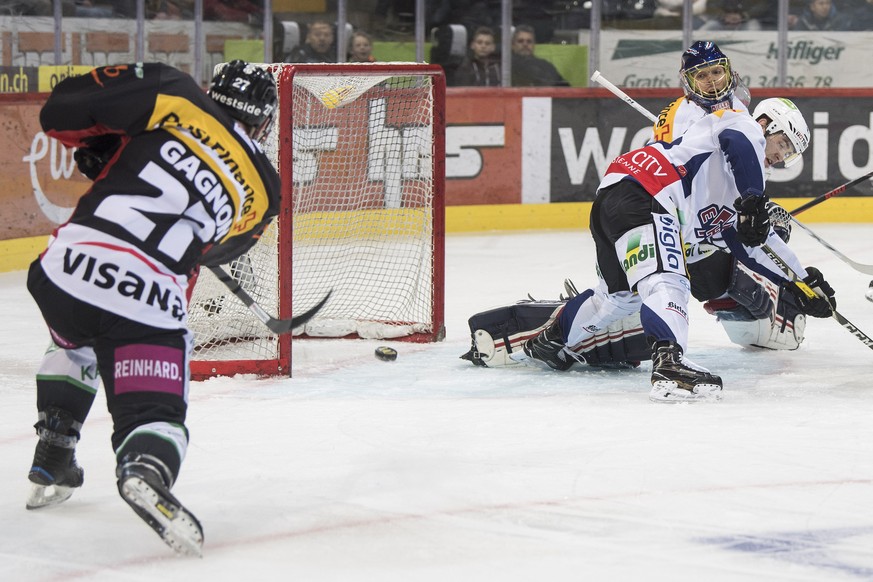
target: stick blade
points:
(281, 326)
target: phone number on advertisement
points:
(802, 81)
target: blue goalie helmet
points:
(706, 76)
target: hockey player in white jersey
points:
(749, 306)
(707, 184)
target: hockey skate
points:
(144, 488)
(55, 474)
(677, 379)
(547, 348)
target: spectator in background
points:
(823, 15)
(361, 48)
(34, 7)
(94, 9)
(318, 46)
(668, 13)
(733, 16)
(481, 67)
(528, 70)
(862, 18)
(170, 9)
(249, 11)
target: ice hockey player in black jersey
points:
(179, 181)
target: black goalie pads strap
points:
(498, 332)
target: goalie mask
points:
(784, 117)
(248, 94)
(706, 76)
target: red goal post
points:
(360, 149)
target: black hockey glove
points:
(822, 303)
(753, 220)
(93, 158)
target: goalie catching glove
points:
(814, 296)
(753, 220)
(92, 158)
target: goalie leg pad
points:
(753, 292)
(784, 332)
(499, 332)
(623, 344)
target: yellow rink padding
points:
(566, 215)
(17, 254)
(369, 224)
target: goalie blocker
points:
(502, 331)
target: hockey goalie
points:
(753, 311)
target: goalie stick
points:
(789, 272)
(278, 326)
(598, 78)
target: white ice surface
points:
(429, 468)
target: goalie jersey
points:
(681, 114)
(190, 187)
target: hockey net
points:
(362, 217)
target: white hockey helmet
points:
(784, 117)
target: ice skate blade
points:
(176, 525)
(48, 495)
(667, 392)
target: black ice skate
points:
(548, 348)
(675, 378)
(55, 474)
(144, 487)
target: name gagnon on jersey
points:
(205, 181)
(225, 153)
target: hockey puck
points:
(386, 354)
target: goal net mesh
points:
(359, 143)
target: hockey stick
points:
(278, 326)
(598, 78)
(789, 272)
(835, 192)
(860, 267)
